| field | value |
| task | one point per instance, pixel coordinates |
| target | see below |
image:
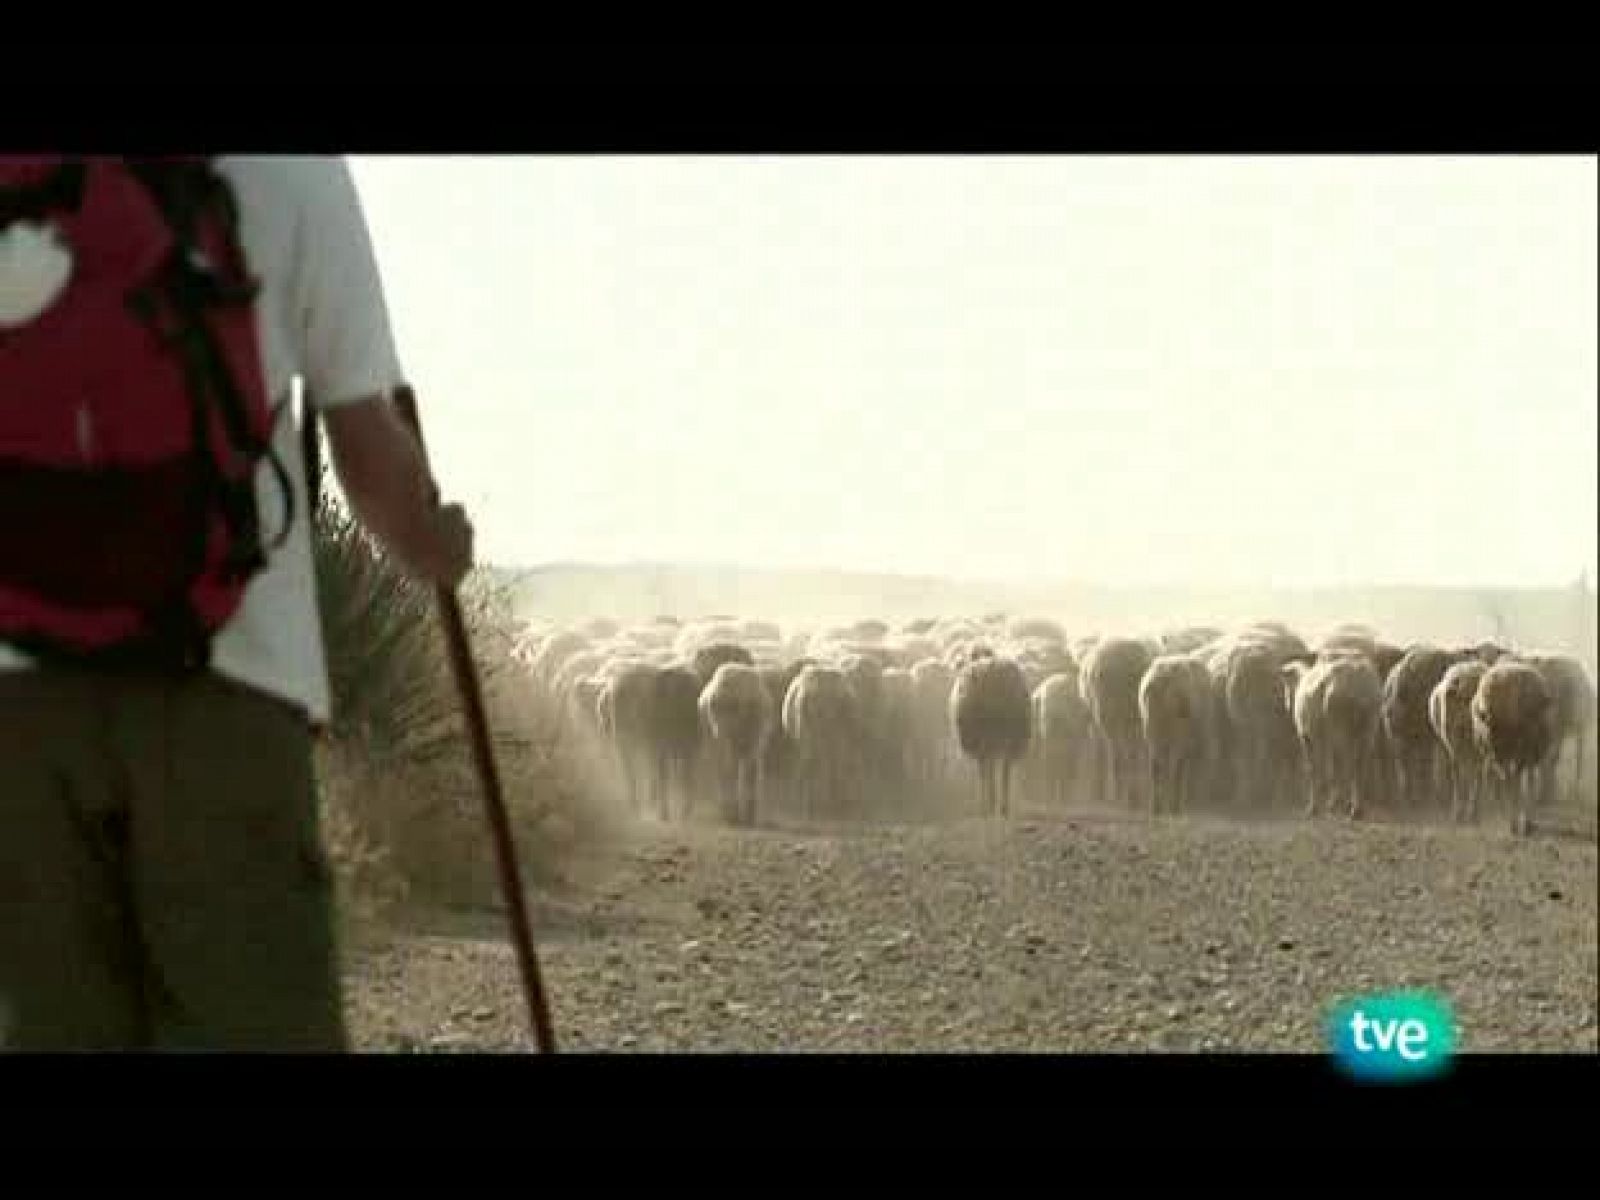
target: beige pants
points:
(162, 878)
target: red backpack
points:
(133, 411)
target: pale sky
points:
(1266, 370)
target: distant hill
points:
(565, 592)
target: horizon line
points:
(1584, 582)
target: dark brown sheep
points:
(991, 713)
(1512, 720)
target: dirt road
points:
(1089, 933)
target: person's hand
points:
(385, 475)
(445, 555)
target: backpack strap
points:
(311, 453)
(59, 191)
(184, 190)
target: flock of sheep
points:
(1252, 721)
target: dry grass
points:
(403, 815)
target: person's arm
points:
(351, 368)
(383, 474)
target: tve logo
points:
(1396, 1037)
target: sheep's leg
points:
(1298, 786)
(1314, 780)
(1442, 775)
(1099, 781)
(838, 772)
(746, 790)
(1113, 782)
(1328, 790)
(1581, 774)
(1224, 768)
(641, 765)
(630, 780)
(1384, 782)
(1295, 776)
(638, 792)
(1108, 794)
(1114, 789)
(1197, 764)
(1581, 767)
(1311, 785)
(757, 782)
(1349, 761)
(1193, 797)
(1575, 791)
(729, 783)
(1177, 779)
(1188, 797)
(1005, 787)
(851, 794)
(1388, 775)
(661, 786)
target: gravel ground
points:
(1080, 934)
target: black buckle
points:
(59, 191)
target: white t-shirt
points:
(322, 319)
